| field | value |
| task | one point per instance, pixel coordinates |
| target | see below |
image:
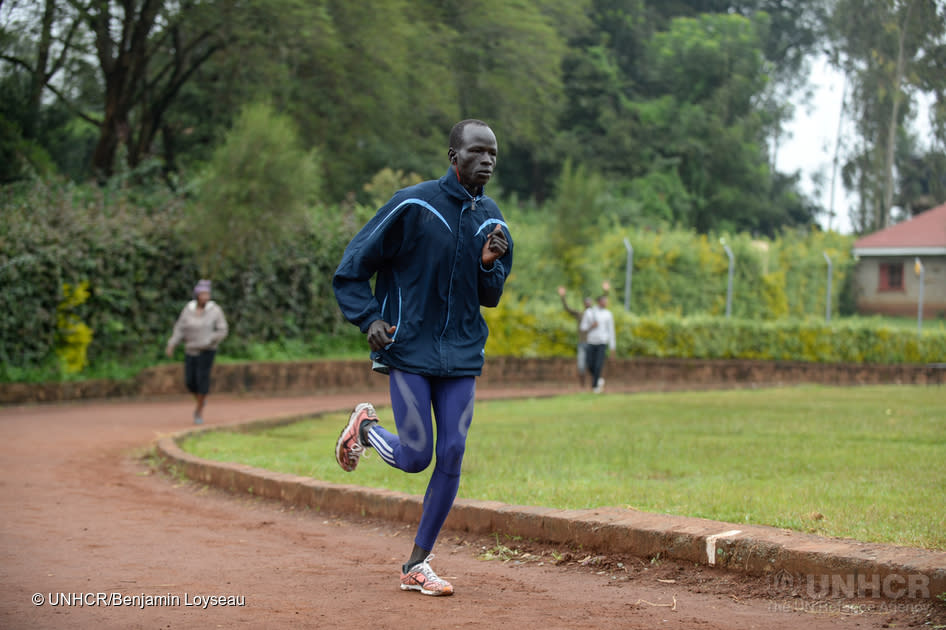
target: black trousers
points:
(597, 353)
(197, 371)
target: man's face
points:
(603, 302)
(475, 158)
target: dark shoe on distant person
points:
(349, 448)
(421, 577)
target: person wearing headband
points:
(201, 327)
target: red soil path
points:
(83, 513)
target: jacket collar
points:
(192, 305)
(451, 184)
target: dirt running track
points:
(82, 513)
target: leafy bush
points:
(142, 249)
(140, 266)
(530, 331)
(259, 187)
(57, 233)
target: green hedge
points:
(92, 275)
(58, 236)
(679, 272)
(517, 330)
(136, 259)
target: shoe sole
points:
(423, 591)
(351, 421)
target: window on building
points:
(891, 277)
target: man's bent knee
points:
(415, 462)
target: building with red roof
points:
(889, 265)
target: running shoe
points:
(349, 448)
(422, 578)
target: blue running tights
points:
(411, 449)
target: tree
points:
(794, 34)
(146, 50)
(921, 177)
(710, 70)
(505, 61)
(44, 51)
(269, 56)
(376, 93)
(673, 107)
(154, 50)
(889, 51)
(603, 72)
(259, 185)
(794, 30)
(678, 103)
(36, 42)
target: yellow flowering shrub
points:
(73, 334)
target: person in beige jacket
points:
(201, 326)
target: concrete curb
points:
(795, 563)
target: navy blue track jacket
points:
(425, 246)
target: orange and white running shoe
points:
(422, 578)
(349, 448)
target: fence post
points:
(732, 261)
(627, 274)
(921, 272)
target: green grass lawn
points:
(867, 463)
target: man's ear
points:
(452, 155)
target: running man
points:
(439, 251)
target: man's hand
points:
(379, 334)
(494, 247)
(561, 291)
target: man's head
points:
(587, 302)
(603, 301)
(472, 153)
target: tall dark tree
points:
(40, 39)
(145, 51)
(37, 42)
